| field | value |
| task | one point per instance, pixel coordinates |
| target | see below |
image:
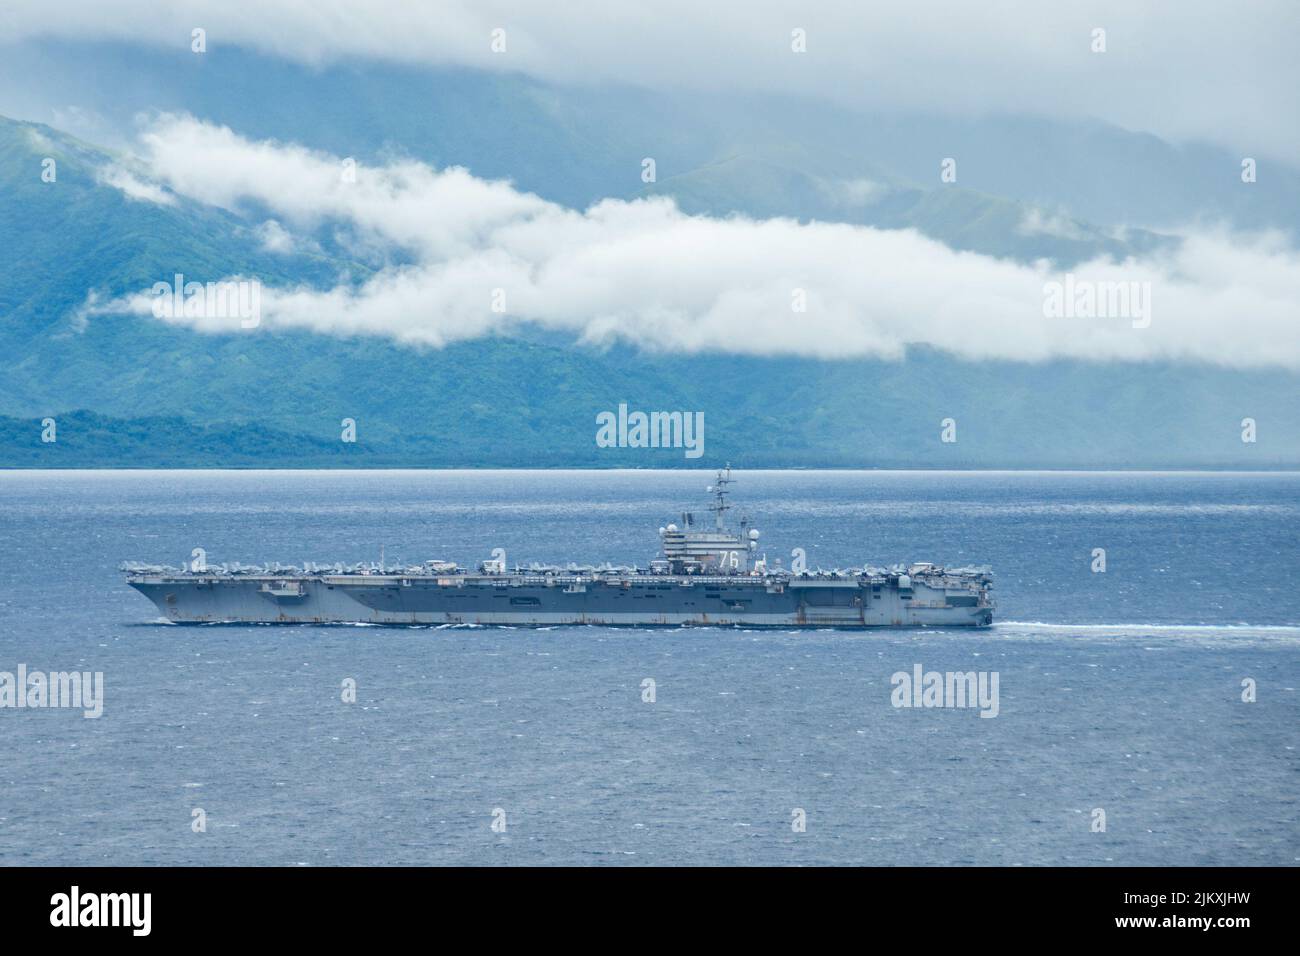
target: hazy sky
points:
(1205, 69)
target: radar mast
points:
(719, 489)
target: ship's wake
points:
(1159, 628)
(1166, 635)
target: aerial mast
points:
(720, 494)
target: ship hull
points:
(528, 601)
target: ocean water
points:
(1119, 691)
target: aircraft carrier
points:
(706, 575)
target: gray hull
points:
(636, 600)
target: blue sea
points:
(1119, 691)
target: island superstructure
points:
(706, 575)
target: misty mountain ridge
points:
(277, 398)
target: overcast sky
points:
(1223, 72)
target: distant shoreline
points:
(694, 467)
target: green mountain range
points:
(137, 392)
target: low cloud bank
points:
(481, 257)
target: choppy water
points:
(1119, 691)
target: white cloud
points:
(1036, 222)
(644, 272)
(275, 238)
(38, 140)
(1179, 68)
(134, 188)
(854, 192)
